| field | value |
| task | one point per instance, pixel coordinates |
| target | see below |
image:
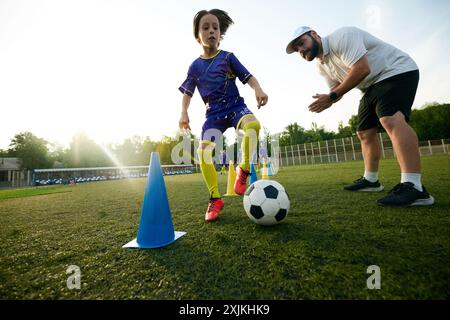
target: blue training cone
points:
(269, 170)
(155, 227)
(253, 176)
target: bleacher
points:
(67, 176)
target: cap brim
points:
(290, 47)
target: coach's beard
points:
(312, 54)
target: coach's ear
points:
(314, 34)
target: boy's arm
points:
(184, 119)
(261, 96)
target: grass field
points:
(320, 251)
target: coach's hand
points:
(323, 101)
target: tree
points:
(127, 152)
(4, 153)
(292, 134)
(344, 132)
(146, 148)
(31, 150)
(318, 134)
(58, 154)
(353, 123)
(432, 121)
(164, 148)
(84, 152)
(266, 142)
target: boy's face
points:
(209, 31)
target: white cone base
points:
(134, 244)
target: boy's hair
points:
(224, 20)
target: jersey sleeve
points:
(188, 86)
(238, 69)
(350, 47)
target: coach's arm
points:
(357, 73)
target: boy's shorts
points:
(386, 97)
(223, 122)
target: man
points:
(388, 77)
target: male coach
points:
(388, 78)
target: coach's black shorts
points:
(386, 97)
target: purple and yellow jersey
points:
(215, 79)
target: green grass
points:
(32, 191)
(321, 251)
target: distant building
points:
(8, 166)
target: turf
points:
(28, 192)
(320, 251)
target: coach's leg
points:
(410, 191)
(406, 146)
(404, 140)
(371, 149)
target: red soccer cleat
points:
(241, 180)
(213, 211)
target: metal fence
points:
(348, 149)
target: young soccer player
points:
(214, 74)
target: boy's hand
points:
(184, 122)
(261, 97)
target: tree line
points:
(431, 122)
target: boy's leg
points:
(209, 173)
(211, 131)
(251, 126)
(208, 169)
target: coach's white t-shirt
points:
(347, 45)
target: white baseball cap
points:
(297, 34)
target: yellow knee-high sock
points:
(209, 171)
(249, 142)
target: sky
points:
(112, 69)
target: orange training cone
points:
(231, 179)
(155, 227)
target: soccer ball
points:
(266, 202)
